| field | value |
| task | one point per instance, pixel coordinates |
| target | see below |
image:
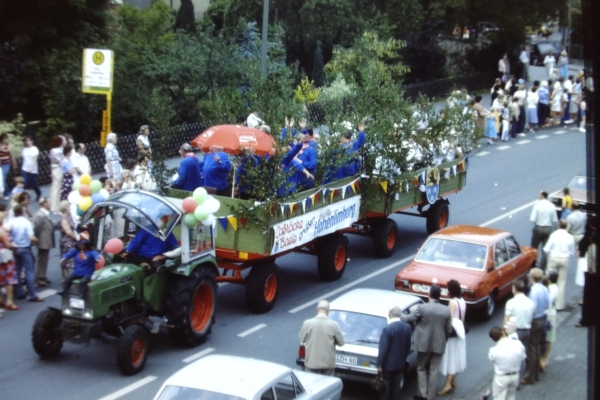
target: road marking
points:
(483, 153)
(559, 132)
(46, 293)
(523, 141)
(503, 147)
(541, 137)
(252, 330)
(129, 389)
(327, 295)
(198, 355)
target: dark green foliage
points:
(185, 17)
(318, 68)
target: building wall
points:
(200, 6)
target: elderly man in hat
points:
(190, 170)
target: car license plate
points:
(425, 289)
(346, 359)
(77, 303)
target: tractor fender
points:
(187, 269)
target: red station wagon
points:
(485, 261)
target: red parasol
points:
(232, 138)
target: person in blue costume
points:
(352, 147)
(308, 159)
(289, 128)
(190, 170)
(148, 248)
(292, 168)
(85, 265)
(216, 170)
(248, 161)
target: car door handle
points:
(499, 273)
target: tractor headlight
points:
(67, 311)
(88, 314)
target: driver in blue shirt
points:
(147, 248)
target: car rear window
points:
(359, 329)
(186, 393)
(582, 183)
(453, 253)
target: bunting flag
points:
(353, 186)
(233, 222)
(332, 194)
(304, 203)
(416, 181)
(283, 210)
(223, 221)
(316, 197)
(243, 221)
(325, 193)
(344, 192)
(422, 177)
(357, 184)
(384, 185)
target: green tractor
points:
(122, 296)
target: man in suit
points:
(44, 231)
(433, 327)
(320, 335)
(394, 346)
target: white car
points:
(220, 377)
(362, 314)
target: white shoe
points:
(521, 134)
(582, 130)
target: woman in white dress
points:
(113, 161)
(454, 360)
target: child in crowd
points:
(19, 187)
(85, 265)
(582, 111)
(567, 204)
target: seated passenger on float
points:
(148, 248)
(293, 168)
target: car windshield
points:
(453, 253)
(359, 329)
(581, 183)
(186, 393)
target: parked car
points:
(485, 261)
(540, 50)
(362, 314)
(221, 377)
(583, 190)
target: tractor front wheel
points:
(46, 335)
(132, 349)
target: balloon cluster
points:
(200, 208)
(86, 193)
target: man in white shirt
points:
(522, 309)
(80, 160)
(568, 90)
(543, 217)
(507, 356)
(560, 247)
(29, 168)
(253, 121)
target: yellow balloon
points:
(85, 203)
(85, 179)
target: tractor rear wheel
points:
(333, 253)
(132, 349)
(191, 307)
(438, 216)
(46, 335)
(262, 287)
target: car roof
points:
(373, 301)
(238, 376)
(472, 234)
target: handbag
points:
(453, 333)
(377, 383)
(6, 256)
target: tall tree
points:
(186, 19)
(318, 68)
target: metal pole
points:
(265, 33)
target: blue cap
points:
(521, 81)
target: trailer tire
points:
(438, 216)
(333, 252)
(262, 287)
(384, 238)
(46, 335)
(133, 349)
(191, 307)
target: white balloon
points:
(209, 221)
(74, 197)
(104, 193)
(212, 204)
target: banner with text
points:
(304, 228)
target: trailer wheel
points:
(191, 307)
(132, 349)
(438, 216)
(384, 238)
(333, 252)
(262, 287)
(46, 335)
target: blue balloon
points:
(97, 198)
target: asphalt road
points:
(503, 182)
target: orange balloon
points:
(85, 190)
